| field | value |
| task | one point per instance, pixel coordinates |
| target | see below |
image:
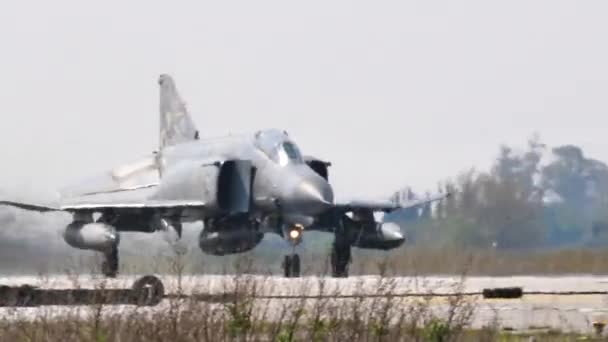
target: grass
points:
(405, 261)
(416, 260)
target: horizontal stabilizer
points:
(140, 173)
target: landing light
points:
(294, 234)
(296, 231)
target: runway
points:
(566, 313)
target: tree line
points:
(535, 197)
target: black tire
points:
(340, 259)
(287, 266)
(295, 266)
(148, 291)
(109, 267)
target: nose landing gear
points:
(291, 262)
(291, 265)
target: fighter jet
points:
(239, 186)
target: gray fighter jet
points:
(240, 187)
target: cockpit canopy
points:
(278, 147)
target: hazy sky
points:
(392, 92)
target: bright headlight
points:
(294, 234)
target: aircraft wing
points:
(149, 204)
(99, 206)
(389, 205)
(30, 206)
(126, 200)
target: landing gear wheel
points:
(340, 258)
(291, 266)
(295, 266)
(109, 267)
(287, 266)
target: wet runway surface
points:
(563, 312)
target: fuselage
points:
(283, 183)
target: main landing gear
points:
(340, 254)
(109, 267)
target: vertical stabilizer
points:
(176, 125)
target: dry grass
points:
(406, 261)
(243, 319)
(425, 261)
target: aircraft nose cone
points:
(313, 197)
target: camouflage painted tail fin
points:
(176, 125)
